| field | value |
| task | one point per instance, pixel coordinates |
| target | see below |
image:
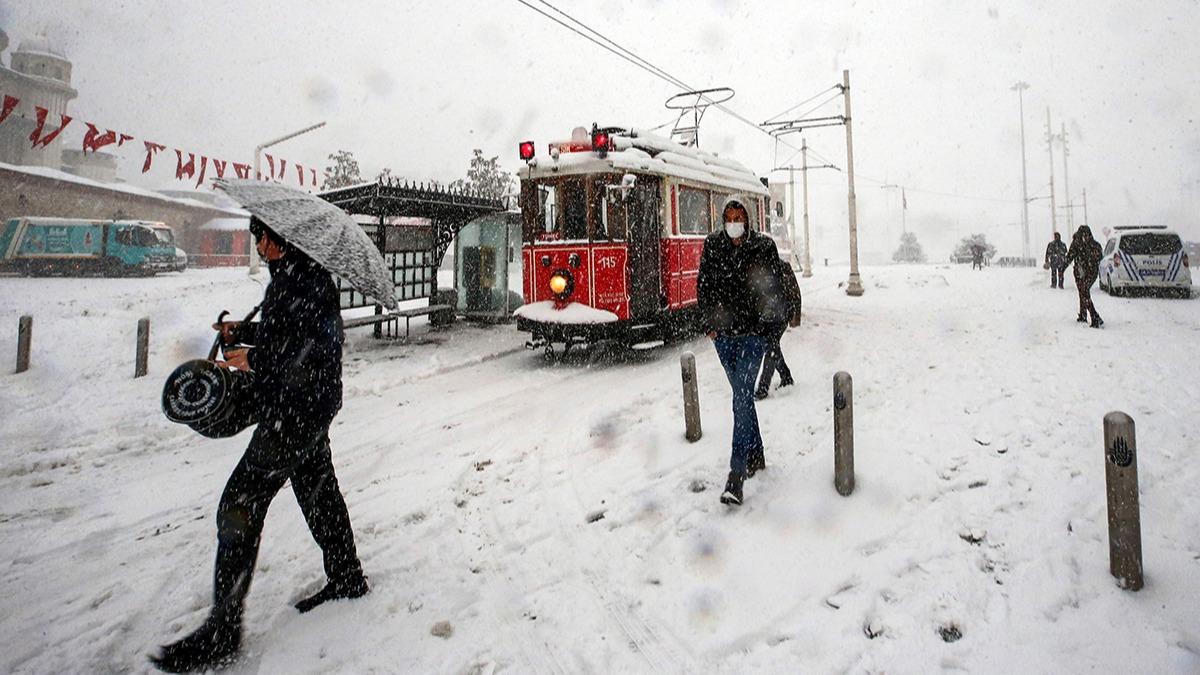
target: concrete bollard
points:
(1124, 516)
(143, 348)
(843, 433)
(24, 339)
(691, 397)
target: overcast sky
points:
(415, 86)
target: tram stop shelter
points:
(412, 225)
(487, 262)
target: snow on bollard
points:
(24, 338)
(143, 348)
(843, 433)
(1124, 516)
(691, 397)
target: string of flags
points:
(93, 140)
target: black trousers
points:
(1085, 298)
(274, 456)
(1056, 275)
(773, 359)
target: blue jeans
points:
(741, 356)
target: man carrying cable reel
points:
(282, 373)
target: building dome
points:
(40, 46)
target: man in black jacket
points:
(1056, 260)
(296, 358)
(773, 359)
(738, 293)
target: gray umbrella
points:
(323, 231)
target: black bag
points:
(215, 402)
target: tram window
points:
(695, 216)
(614, 229)
(572, 208)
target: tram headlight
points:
(562, 283)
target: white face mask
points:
(735, 229)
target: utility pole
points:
(1050, 149)
(804, 176)
(854, 284)
(1067, 181)
(1020, 88)
(791, 216)
(1085, 218)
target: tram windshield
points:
(575, 208)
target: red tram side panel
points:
(600, 274)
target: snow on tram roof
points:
(638, 150)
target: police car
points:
(1146, 258)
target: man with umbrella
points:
(296, 360)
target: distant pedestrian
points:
(773, 360)
(1056, 260)
(297, 362)
(976, 257)
(1086, 253)
(739, 297)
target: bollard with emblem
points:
(24, 338)
(143, 348)
(691, 397)
(1124, 515)
(843, 433)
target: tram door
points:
(645, 286)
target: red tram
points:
(613, 225)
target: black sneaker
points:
(212, 645)
(756, 463)
(1081, 318)
(334, 590)
(760, 394)
(1097, 322)
(733, 490)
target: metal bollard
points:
(143, 348)
(843, 433)
(24, 339)
(691, 397)
(1124, 516)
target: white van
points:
(1146, 258)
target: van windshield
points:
(1150, 244)
(165, 235)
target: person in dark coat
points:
(1056, 260)
(296, 359)
(738, 293)
(1086, 253)
(773, 360)
(976, 257)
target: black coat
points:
(297, 352)
(1086, 254)
(1056, 253)
(739, 289)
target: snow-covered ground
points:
(555, 516)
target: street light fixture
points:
(254, 262)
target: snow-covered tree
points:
(964, 247)
(910, 250)
(343, 172)
(485, 177)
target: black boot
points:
(1097, 322)
(1082, 318)
(335, 590)
(213, 645)
(733, 489)
(785, 381)
(756, 463)
(761, 393)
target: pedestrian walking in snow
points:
(296, 359)
(1086, 253)
(976, 257)
(1056, 260)
(773, 360)
(739, 297)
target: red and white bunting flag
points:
(123, 138)
(300, 173)
(313, 174)
(151, 150)
(271, 163)
(282, 169)
(242, 170)
(219, 166)
(203, 170)
(182, 169)
(93, 140)
(37, 138)
(10, 104)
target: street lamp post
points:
(1020, 88)
(254, 262)
(854, 283)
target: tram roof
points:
(638, 150)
